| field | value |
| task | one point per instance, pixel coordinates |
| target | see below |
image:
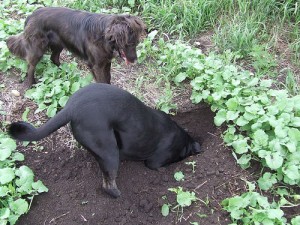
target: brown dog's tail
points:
(17, 45)
(24, 131)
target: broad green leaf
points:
(260, 138)
(19, 206)
(275, 213)
(165, 210)
(3, 191)
(232, 104)
(62, 101)
(7, 146)
(266, 83)
(237, 214)
(296, 220)
(231, 115)
(292, 172)
(185, 198)
(280, 131)
(234, 203)
(25, 180)
(75, 87)
(4, 214)
(267, 181)
(179, 176)
(17, 156)
(220, 117)
(274, 160)
(253, 82)
(294, 134)
(240, 146)
(295, 122)
(242, 121)
(39, 186)
(25, 114)
(180, 77)
(6, 175)
(51, 111)
(263, 201)
(244, 161)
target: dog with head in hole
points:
(90, 36)
(114, 125)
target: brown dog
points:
(91, 36)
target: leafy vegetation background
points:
(252, 88)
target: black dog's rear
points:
(91, 36)
(114, 125)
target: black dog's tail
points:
(17, 45)
(24, 131)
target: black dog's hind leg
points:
(103, 145)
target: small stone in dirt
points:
(211, 172)
(155, 181)
(162, 169)
(165, 178)
(143, 202)
(16, 93)
(148, 207)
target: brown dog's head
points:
(125, 32)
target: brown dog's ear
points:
(123, 28)
(137, 25)
(117, 32)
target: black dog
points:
(91, 36)
(113, 125)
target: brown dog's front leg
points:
(30, 80)
(101, 72)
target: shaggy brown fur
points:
(91, 36)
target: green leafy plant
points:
(193, 164)
(179, 176)
(183, 199)
(17, 185)
(57, 84)
(254, 208)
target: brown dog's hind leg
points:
(36, 49)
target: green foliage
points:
(179, 176)
(262, 123)
(17, 185)
(254, 208)
(53, 89)
(183, 199)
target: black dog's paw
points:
(115, 193)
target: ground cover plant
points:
(259, 113)
(17, 185)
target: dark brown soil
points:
(74, 181)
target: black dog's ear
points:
(196, 148)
